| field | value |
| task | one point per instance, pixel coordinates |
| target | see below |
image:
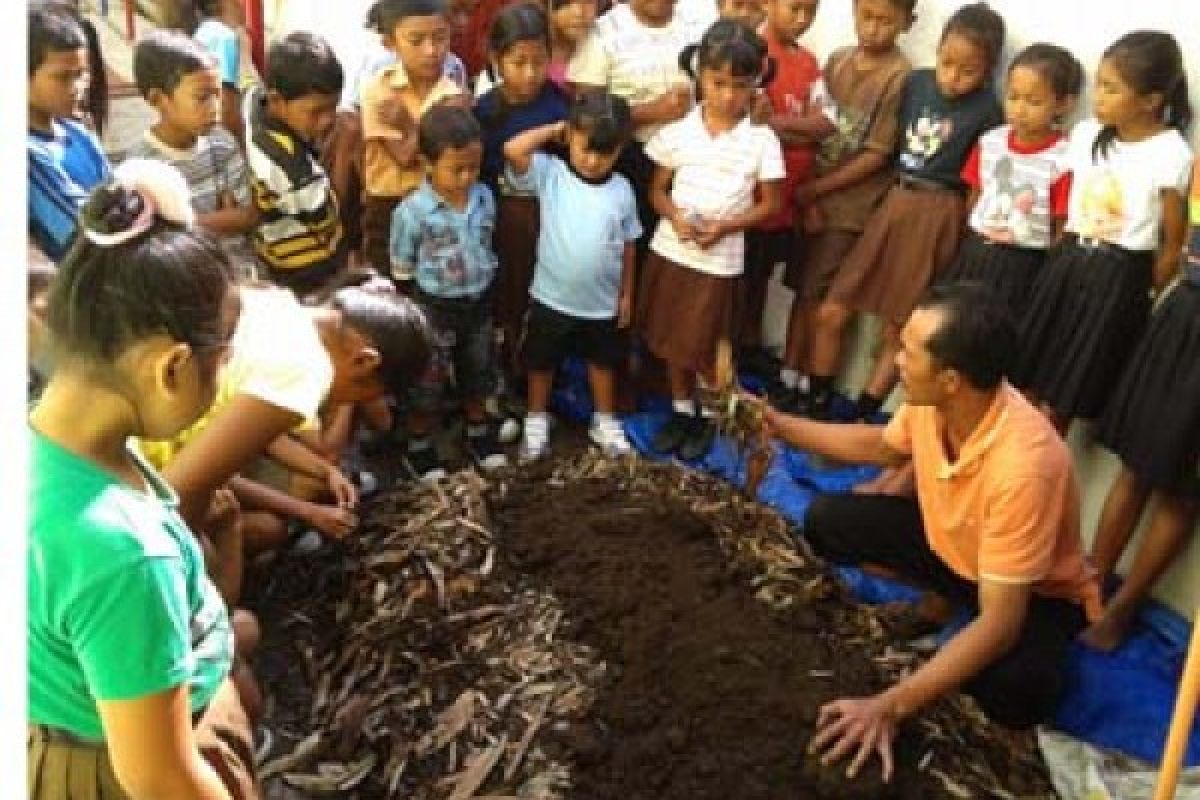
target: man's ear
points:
(156, 97)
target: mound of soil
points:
(712, 693)
(717, 642)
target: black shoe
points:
(782, 397)
(820, 407)
(671, 435)
(425, 464)
(758, 361)
(485, 451)
(699, 439)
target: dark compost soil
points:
(717, 649)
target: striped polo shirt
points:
(299, 225)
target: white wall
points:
(1085, 28)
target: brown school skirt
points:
(58, 769)
(515, 240)
(377, 231)
(812, 275)
(682, 313)
(911, 237)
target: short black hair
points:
(604, 117)
(977, 337)
(385, 15)
(444, 127)
(302, 63)
(52, 30)
(395, 326)
(163, 58)
(1055, 64)
(982, 26)
(168, 280)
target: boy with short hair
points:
(179, 79)
(583, 282)
(441, 244)
(299, 235)
(65, 160)
(393, 102)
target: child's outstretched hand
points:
(333, 521)
(343, 491)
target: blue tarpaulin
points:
(1121, 700)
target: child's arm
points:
(224, 221)
(667, 107)
(660, 200)
(238, 434)
(625, 299)
(403, 244)
(857, 169)
(766, 204)
(330, 520)
(297, 457)
(519, 150)
(1166, 264)
(231, 113)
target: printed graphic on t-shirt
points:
(1009, 214)
(850, 129)
(440, 246)
(1102, 207)
(923, 138)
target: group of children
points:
(324, 253)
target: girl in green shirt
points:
(129, 643)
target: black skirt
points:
(1087, 308)
(1153, 419)
(1008, 271)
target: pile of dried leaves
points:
(422, 662)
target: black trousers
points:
(1021, 688)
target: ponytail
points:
(1178, 110)
(687, 60)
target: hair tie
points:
(164, 193)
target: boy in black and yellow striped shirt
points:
(299, 236)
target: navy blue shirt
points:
(501, 122)
(937, 133)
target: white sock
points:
(802, 384)
(684, 407)
(537, 419)
(789, 377)
(600, 418)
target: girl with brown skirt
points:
(523, 98)
(130, 646)
(709, 166)
(915, 232)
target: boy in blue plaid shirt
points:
(441, 250)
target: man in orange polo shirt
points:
(994, 525)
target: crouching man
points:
(993, 526)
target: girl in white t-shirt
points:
(1020, 178)
(633, 52)
(1126, 224)
(716, 174)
